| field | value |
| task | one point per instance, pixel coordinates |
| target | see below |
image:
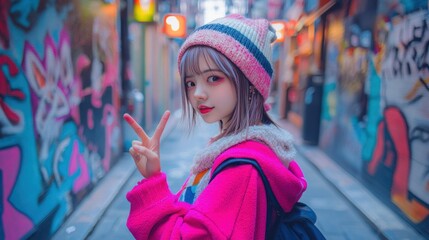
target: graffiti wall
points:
(383, 117)
(59, 106)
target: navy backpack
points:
(296, 224)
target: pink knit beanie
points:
(245, 42)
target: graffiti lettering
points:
(45, 97)
(407, 54)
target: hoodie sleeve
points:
(233, 206)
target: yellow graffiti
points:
(413, 209)
(413, 92)
(378, 58)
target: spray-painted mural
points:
(383, 117)
(402, 138)
(59, 106)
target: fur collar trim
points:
(279, 140)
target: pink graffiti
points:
(10, 161)
(77, 163)
(6, 91)
(51, 78)
(51, 81)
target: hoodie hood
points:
(279, 140)
(272, 148)
(287, 182)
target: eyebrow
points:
(206, 71)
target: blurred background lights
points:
(173, 22)
(279, 27)
(174, 25)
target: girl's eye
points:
(212, 79)
(189, 84)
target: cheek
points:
(228, 98)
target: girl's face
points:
(211, 93)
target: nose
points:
(200, 92)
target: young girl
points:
(226, 70)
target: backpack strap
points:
(299, 223)
(271, 199)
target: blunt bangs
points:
(190, 62)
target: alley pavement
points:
(345, 208)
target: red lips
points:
(204, 109)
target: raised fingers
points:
(161, 125)
(137, 129)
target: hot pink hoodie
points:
(232, 206)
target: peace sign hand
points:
(146, 152)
